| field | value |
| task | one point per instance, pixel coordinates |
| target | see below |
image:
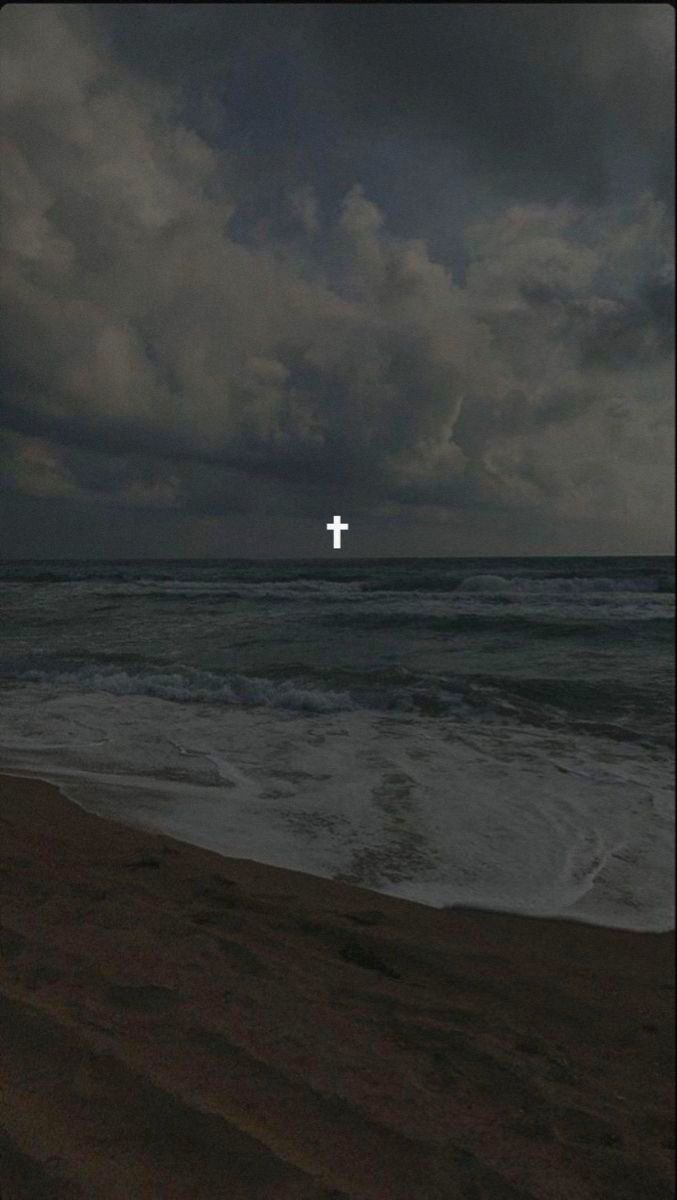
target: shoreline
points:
(578, 919)
(177, 1019)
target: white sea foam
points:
(442, 812)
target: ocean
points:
(486, 732)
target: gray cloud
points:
(158, 360)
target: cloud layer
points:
(175, 345)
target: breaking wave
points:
(190, 685)
(600, 707)
(564, 585)
(396, 690)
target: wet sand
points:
(179, 1025)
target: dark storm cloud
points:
(634, 333)
(494, 79)
(175, 341)
(543, 97)
(546, 100)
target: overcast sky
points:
(261, 264)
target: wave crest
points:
(560, 586)
(189, 685)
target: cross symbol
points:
(336, 526)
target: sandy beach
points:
(180, 1025)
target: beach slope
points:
(179, 1025)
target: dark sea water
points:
(486, 731)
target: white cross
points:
(336, 526)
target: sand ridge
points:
(176, 1024)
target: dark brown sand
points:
(176, 1024)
